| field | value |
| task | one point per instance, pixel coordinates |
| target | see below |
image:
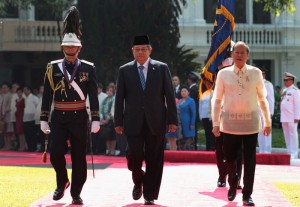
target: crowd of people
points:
(20, 118)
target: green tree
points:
(110, 25)
(278, 6)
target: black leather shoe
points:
(137, 192)
(248, 202)
(149, 202)
(77, 200)
(221, 183)
(231, 194)
(60, 191)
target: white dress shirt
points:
(236, 98)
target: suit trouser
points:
(76, 131)
(29, 133)
(210, 139)
(222, 168)
(232, 145)
(291, 138)
(151, 148)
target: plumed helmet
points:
(70, 39)
(71, 31)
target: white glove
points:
(95, 126)
(45, 127)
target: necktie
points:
(142, 77)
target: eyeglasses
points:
(240, 53)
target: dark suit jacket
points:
(194, 93)
(156, 104)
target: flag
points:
(220, 40)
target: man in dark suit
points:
(176, 86)
(194, 94)
(144, 106)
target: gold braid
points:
(60, 85)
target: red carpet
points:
(209, 157)
(24, 158)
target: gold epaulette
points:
(87, 62)
(56, 61)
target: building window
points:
(210, 11)
(259, 15)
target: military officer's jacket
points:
(290, 104)
(60, 93)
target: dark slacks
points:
(222, 168)
(29, 133)
(150, 148)
(231, 146)
(210, 139)
(76, 131)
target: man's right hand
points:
(216, 131)
(45, 127)
(119, 129)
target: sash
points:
(73, 83)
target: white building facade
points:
(274, 41)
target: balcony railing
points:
(267, 36)
(20, 35)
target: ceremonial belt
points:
(69, 106)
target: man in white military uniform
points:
(265, 142)
(290, 114)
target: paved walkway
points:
(183, 185)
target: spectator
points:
(19, 114)
(290, 114)
(187, 110)
(31, 102)
(194, 94)
(265, 142)
(5, 115)
(14, 97)
(38, 132)
(176, 85)
(107, 131)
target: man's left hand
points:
(267, 131)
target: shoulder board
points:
(56, 61)
(87, 62)
(267, 81)
(294, 87)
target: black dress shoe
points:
(60, 191)
(221, 183)
(248, 202)
(149, 202)
(137, 192)
(77, 200)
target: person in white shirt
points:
(290, 114)
(235, 113)
(31, 102)
(265, 142)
